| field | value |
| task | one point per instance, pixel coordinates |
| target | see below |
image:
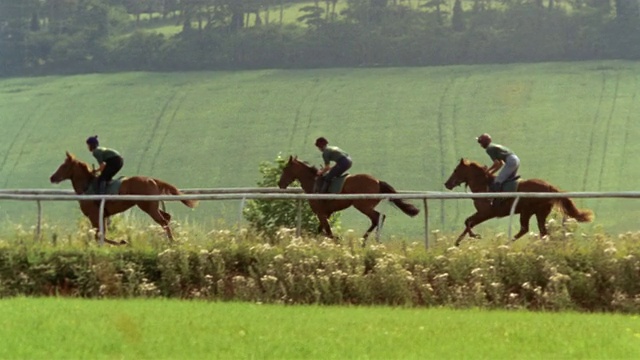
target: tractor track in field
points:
(441, 142)
(156, 125)
(606, 134)
(13, 143)
(316, 100)
(22, 148)
(594, 123)
(296, 119)
(27, 122)
(166, 131)
(454, 120)
(627, 126)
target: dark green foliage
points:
(92, 35)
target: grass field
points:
(70, 329)
(572, 124)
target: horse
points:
(353, 184)
(82, 176)
(476, 177)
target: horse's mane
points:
(81, 164)
(311, 168)
(479, 167)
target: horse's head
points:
(68, 168)
(466, 172)
(295, 170)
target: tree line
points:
(77, 36)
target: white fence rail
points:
(244, 194)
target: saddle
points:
(509, 185)
(335, 185)
(112, 186)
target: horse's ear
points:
(69, 155)
(290, 158)
(463, 161)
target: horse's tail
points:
(406, 208)
(570, 209)
(168, 189)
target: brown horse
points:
(82, 176)
(478, 180)
(353, 184)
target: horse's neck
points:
(307, 181)
(479, 184)
(80, 180)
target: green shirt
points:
(333, 153)
(498, 152)
(102, 154)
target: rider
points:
(109, 160)
(500, 155)
(335, 154)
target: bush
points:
(564, 272)
(269, 216)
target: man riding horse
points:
(501, 156)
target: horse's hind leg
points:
(541, 217)
(372, 214)
(524, 224)
(153, 209)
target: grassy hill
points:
(573, 124)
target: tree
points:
(268, 216)
(457, 20)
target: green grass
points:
(572, 124)
(63, 328)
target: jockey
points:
(500, 155)
(109, 160)
(335, 154)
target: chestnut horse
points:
(478, 180)
(82, 176)
(353, 184)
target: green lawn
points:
(572, 124)
(74, 329)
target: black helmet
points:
(93, 140)
(321, 141)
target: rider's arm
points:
(324, 169)
(497, 164)
(102, 166)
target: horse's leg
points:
(153, 209)
(165, 215)
(324, 225)
(541, 217)
(374, 216)
(473, 220)
(525, 216)
(467, 230)
(95, 222)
